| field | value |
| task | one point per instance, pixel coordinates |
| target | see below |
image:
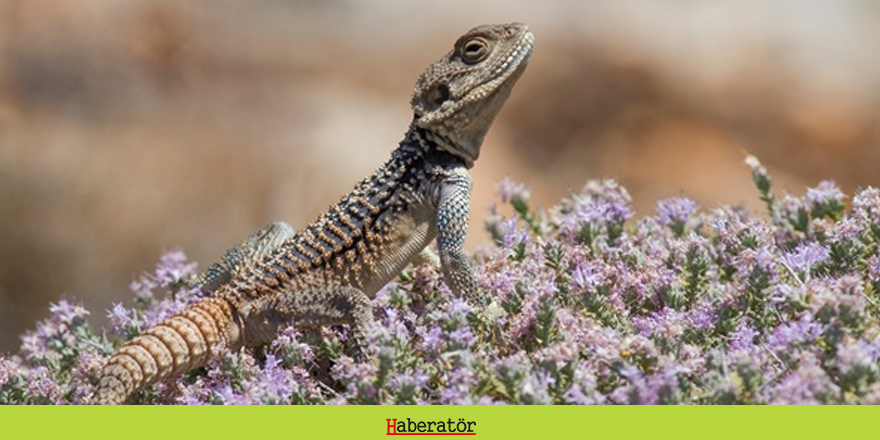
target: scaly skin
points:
(327, 273)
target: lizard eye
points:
(475, 50)
(439, 95)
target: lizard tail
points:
(178, 344)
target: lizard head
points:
(457, 98)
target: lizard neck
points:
(433, 147)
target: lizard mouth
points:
(519, 57)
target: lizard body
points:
(328, 272)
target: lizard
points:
(328, 272)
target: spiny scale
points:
(327, 273)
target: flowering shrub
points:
(581, 304)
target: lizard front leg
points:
(453, 212)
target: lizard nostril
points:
(439, 95)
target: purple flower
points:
(585, 277)
(143, 288)
(173, 267)
(274, 385)
(459, 309)
(122, 320)
(359, 378)
(559, 353)
(665, 323)
(68, 313)
(795, 334)
(432, 340)
(41, 388)
(866, 207)
(840, 302)
(229, 397)
(576, 396)
(675, 212)
(407, 386)
(392, 331)
(460, 381)
(743, 338)
(736, 231)
(808, 384)
(509, 190)
(535, 388)
(787, 293)
(462, 337)
(583, 390)
(290, 348)
(750, 260)
(703, 316)
(600, 207)
(9, 371)
(872, 395)
(806, 256)
(874, 267)
(661, 386)
(511, 235)
(825, 198)
(845, 231)
(60, 337)
(535, 295)
(502, 279)
(856, 360)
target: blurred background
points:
(132, 127)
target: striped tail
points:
(178, 344)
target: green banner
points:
(482, 422)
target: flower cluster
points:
(581, 304)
